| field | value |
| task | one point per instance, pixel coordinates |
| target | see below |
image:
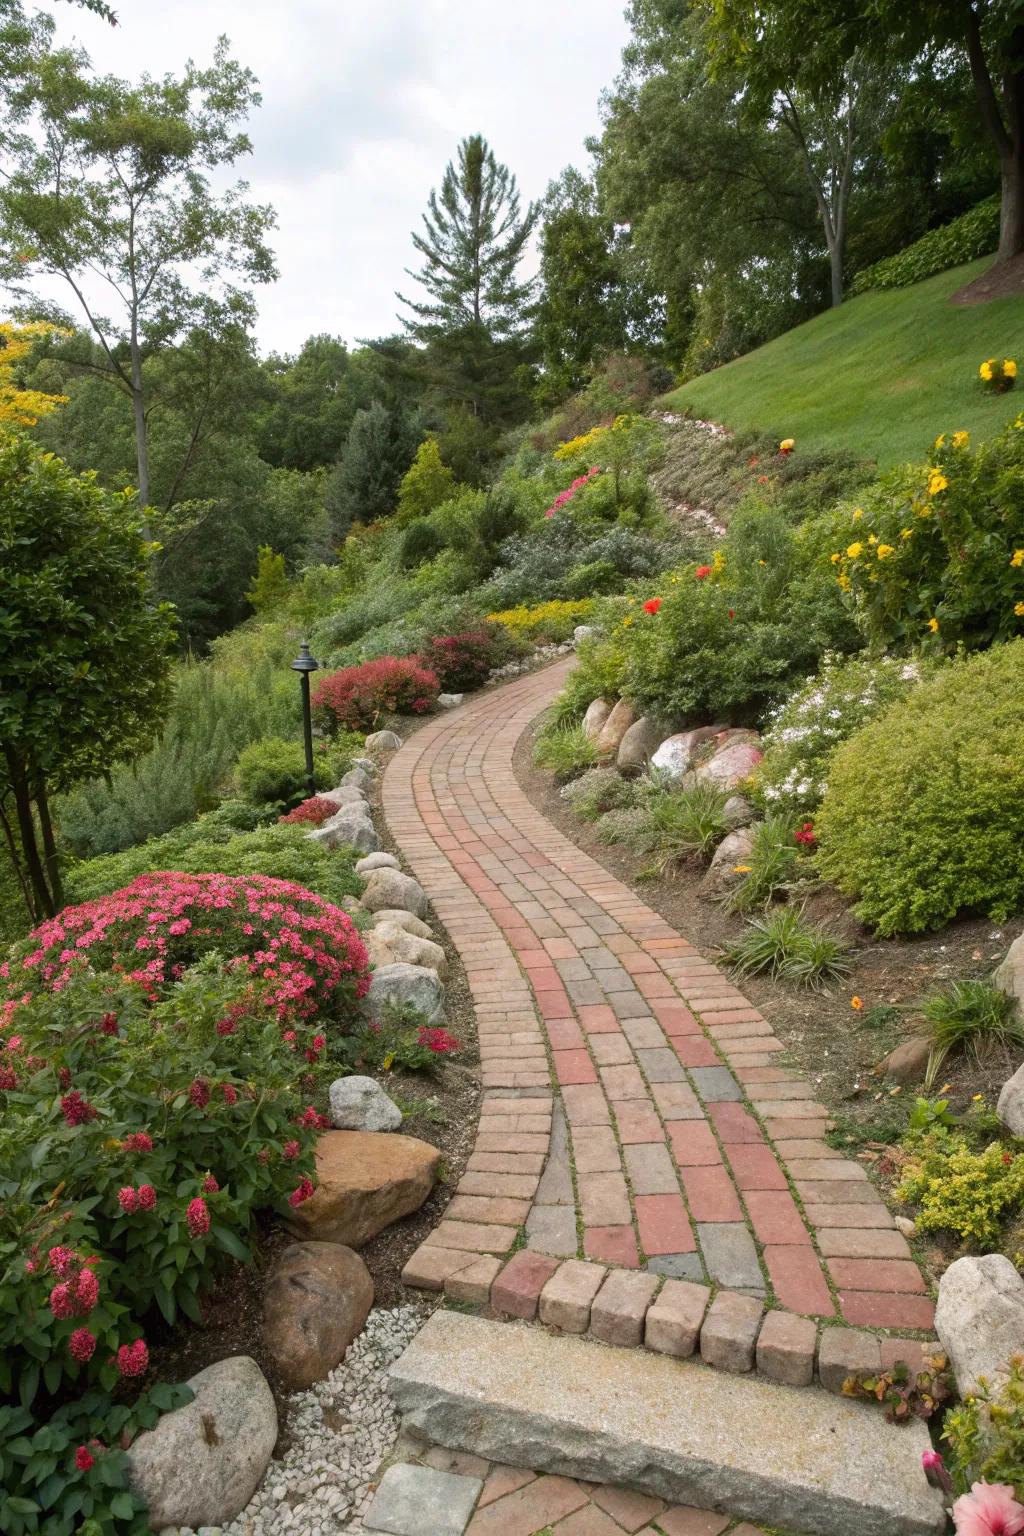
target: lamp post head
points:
(304, 662)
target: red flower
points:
(263, 1156)
(226, 1026)
(199, 1093)
(209, 1185)
(702, 571)
(128, 1199)
(75, 1109)
(138, 1141)
(64, 1078)
(652, 605)
(290, 1151)
(806, 835)
(108, 1024)
(312, 812)
(83, 1461)
(198, 1217)
(732, 613)
(8, 1079)
(303, 1192)
(87, 1291)
(319, 1041)
(61, 1300)
(133, 1359)
(438, 1040)
(230, 1093)
(312, 1119)
(81, 1345)
(147, 1197)
(62, 1261)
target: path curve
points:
(633, 1111)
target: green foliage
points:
(783, 945)
(379, 449)
(972, 1017)
(975, 233)
(272, 771)
(420, 542)
(924, 812)
(959, 1190)
(683, 823)
(400, 1038)
(937, 554)
(770, 866)
(270, 586)
(985, 1433)
(426, 483)
(907, 1393)
(566, 750)
(929, 1113)
(599, 790)
(843, 695)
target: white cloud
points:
(362, 107)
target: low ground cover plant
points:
(565, 749)
(974, 233)
(356, 697)
(784, 944)
(553, 621)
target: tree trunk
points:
(1004, 123)
(835, 257)
(49, 844)
(12, 850)
(1011, 213)
(141, 439)
(44, 900)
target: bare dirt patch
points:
(1003, 280)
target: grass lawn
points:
(881, 376)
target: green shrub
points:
(273, 772)
(600, 790)
(782, 944)
(843, 695)
(769, 867)
(924, 813)
(420, 542)
(973, 1017)
(936, 554)
(975, 233)
(985, 1433)
(566, 750)
(969, 1193)
(685, 822)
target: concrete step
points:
(793, 1457)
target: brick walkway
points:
(633, 1111)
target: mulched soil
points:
(1005, 280)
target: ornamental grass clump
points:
(924, 812)
(684, 823)
(784, 944)
(975, 1018)
(566, 750)
(356, 697)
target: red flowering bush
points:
(356, 697)
(464, 661)
(312, 812)
(305, 949)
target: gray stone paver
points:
(420, 1501)
(731, 1256)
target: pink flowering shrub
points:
(570, 491)
(312, 812)
(306, 950)
(356, 697)
(464, 660)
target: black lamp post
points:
(304, 664)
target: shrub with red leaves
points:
(464, 660)
(312, 812)
(356, 697)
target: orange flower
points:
(857, 1003)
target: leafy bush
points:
(211, 846)
(924, 812)
(310, 813)
(400, 1038)
(553, 621)
(420, 543)
(805, 731)
(974, 1017)
(273, 772)
(770, 864)
(985, 1433)
(783, 944)
(138, 1140)
(464, 661)
(535, 566)
(960, 1190)
(160, 924)
(356, 697)
(936, 554)
(975, 233)
(565, 750)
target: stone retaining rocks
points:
(365, 1181)
(201, 1464)
(637, 746)
(357, 778)
(374, 861)
(738, 812)
(1010, 975)
(315, 1301)
(595, 718)
(449, 700)
(360, 1104)
(403, 983)
(722, 873)
(402, 919)
(615, 727)
(408, 948)
(345, 794)
(734, 760)
(383, 741)
(979, 1318)
(390, 888)
(350, 828)
(674, 756)
(1010, 1105)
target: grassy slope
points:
(881, 376)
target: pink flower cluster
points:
(133, 1359)
(131, 1200)
(198, 1217)
(305, 948)
(437, 1040)
(568, 494)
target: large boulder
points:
(615, 727)
(406, 920)
(1010, 975)
(584, 632)
(722, 873)
(736, 812)
(201, 1464)
(376, 861)
(345, 794)
(402, 983)
(674, 756)
(449, 700)
(1010, 1104)
(367, 764)
(594, 719)
(733, 761)
(409, 948)
(979, 1318)
(315, 1301)
(350, 828)
(390, 888)
(365, 1181)
(360, 1104)
(357, 778)
(908, 1063)
(637, 746)
(383, 741)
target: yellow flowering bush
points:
(936, 554)
(962, 1191)
(998, 374)
(553, 621)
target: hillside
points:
(881, 376)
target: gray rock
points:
(584, 632)
(771, 1454)
(674, 756)
(409, 948)
(421, 1501)
(402, 919)
(637, 746)
(595, 717)
(1010, 1105)
(979, 1318)
(383, 741)
(350, 828)
(722, 873)
(345, 794)
(738, 812)
(1009, 976)
(401, 983)
(730, 1255)
(730, 1331)
(449, 700)
(357, 779)
(360, 1104)
(367, 764)
(376, 861)
(201, 1464)
(615, 727)
(390, 888)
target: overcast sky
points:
(364, 102)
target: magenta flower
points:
(302, 1193)
(75, 1109)
(147, 1197)
(133, 1359)
(61, 1300)
(199, 1093)
(198, 1217)
(138, 1141)
(210, 1185)
(83, 1460)
(128, 1199)
(87, 1291)
(290, 1151)
(990, 1509)
(81, 1345)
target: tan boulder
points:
(595, 717)
(638, 746)
(408, 947)
(406, 920)
(615, 727)
(908, 1063)
(365, 1181)
(315, 1301)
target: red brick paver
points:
(679, 1121)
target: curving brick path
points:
(634, 1112)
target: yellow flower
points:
(787, 445)
(977, 1098)
(741, 869)
(845, 582)
(1017, 558)
(836, 558)
(872, 538)
(1019, 610)
(961, 439)
(906, 533)
(717, 562)
(1019, 423)
(937, 482)
(1009, 368)
(855, 550)
(627, 621)
(933, 625)
(884, 551)
(986, 369)
(858, 512)
(939, 441)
